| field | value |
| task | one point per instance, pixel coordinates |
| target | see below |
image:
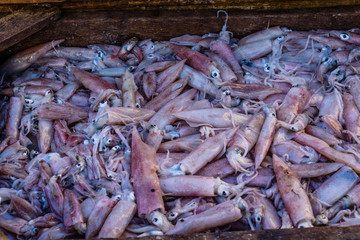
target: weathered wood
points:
(81, 5)
(206, 4)
(28, 1)
(318, 233)
(22, 23)
(81, 29)
(326, 233)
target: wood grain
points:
(28, 1)
(83, 28)
(319, 233)
(86, 5)
(21, 24)
(206, 4)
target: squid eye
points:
(110, 176)
(35, 230)
(172, 216)
(151, 55)
(226, 92)
(99, 54)
(285, 29)
(323, 216)
(325, 59)
(267, 68)
(29, 101)
(155, 219)
(116, 148)
(215, 74)
(131, 68)
(152, 47)
(48, 92)
(195, 48)
(137, 105)
(281, 38)
(104, 148)
(108, 141)
(25, 153)
(273, 114)
(103, 103)
(344, 36)
(239, 151)
(78, 165)
(258, 219)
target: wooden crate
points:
(24, 23)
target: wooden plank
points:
(22, 23)
(206, 4)
(86, 5)
(319, 233)
(81, 29)
(28, 1)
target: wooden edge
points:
(206, 4)
(86, 5)
(29, 1)
(23, 23)
(113, 27)
(318, 233)
(81, 29)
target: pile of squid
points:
(195, 134)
